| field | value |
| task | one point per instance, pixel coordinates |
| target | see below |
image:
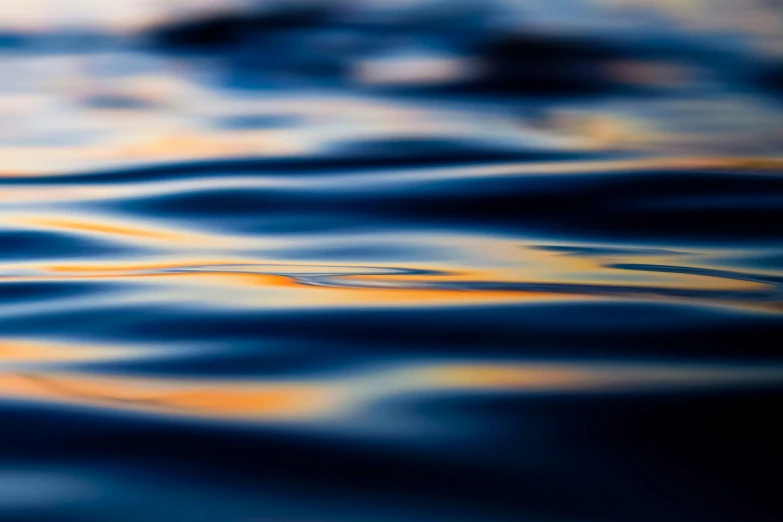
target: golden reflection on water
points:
(210, 399)
(476, 269)
(119, 230)
(70, 225)
(217, 268)
(26, 351)
(325, 398)
(468, 269)
(192, 240)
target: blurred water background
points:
(385, 261)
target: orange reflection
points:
(119, 230)
(120, 269)
(270, 401)
(588, 376)
(506, 377)
(213, 145)
(511, 272)
(303, 400)
(24, 351)
(100, 228)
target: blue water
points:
(230, 293)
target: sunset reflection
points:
(378, 261)
(280, 400)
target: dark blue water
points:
(232, 292)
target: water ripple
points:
(335, 304)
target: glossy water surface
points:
(300, 302)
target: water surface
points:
(231, 295)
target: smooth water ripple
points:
(317, 304)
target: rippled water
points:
(300, 304)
